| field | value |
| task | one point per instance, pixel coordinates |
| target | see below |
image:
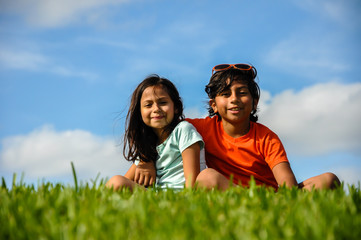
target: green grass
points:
(89, 211)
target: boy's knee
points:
(324, 181)
(331, 180)
(206, 178)
(210, 178)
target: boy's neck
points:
(236, 130)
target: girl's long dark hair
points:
(140, 141)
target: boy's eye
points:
(243, 91)
(225, 94)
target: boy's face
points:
(234, 104)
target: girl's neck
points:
(236, 130)
(161, 134)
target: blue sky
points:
(68, 68)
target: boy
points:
(238, 147)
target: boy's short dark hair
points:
(219, 82)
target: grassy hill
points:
(89, 211)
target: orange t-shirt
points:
(254, 154)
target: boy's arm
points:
(284, 175)
(191, 165)
(145, 173)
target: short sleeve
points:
(198, 123)
(275, 152)
(187, 135)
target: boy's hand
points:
(145, 174)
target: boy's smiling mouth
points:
(235, 109)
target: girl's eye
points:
(147, 105)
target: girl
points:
(236, 146)
(157, 133)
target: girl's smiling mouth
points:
(158, 117)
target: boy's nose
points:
(234, 97)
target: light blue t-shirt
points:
(169, 164)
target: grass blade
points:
(3, 183)
(74, 176)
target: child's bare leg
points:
(210, 178)
(323, 181)
(116, 182)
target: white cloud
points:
(54, 13)
(306, 56)
(47, 153)
(319, 119)
(121, 44)
(22, 60)
(349, 175)
(31, 61)
(345, 13)
(195, 112)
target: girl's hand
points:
(145, 174)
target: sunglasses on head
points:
(224, 67)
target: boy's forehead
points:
(236, 80)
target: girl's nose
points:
(156, 108)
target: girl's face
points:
(157, 109)
(234, 104)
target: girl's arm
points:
(131, 172)
(284, 175)
(191, 166)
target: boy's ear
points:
(213, 105)
(255, 103)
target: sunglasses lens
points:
(243, 66)
(221, 67)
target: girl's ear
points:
(212, 104)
